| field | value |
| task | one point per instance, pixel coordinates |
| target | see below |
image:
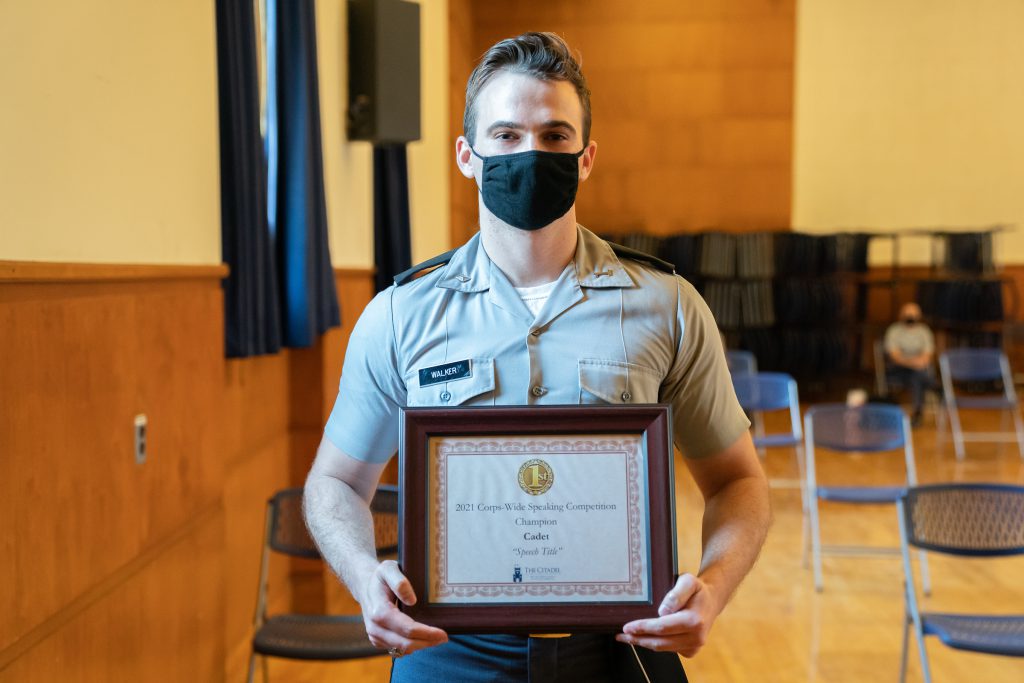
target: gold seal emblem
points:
(536, 477)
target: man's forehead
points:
(513, 96)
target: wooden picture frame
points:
(460, 453)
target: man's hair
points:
(541, 55)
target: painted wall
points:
(908, 114)
(432, 156)
(108, 132)
(109, 135)
(348, 166)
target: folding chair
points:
(745, 363)
(741, 362)
(980, 365)
(873, 428)
(766, 392)
(313, 636)
(968, 520)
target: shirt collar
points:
(595, 262)
(469, 270)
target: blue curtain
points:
(392, 243)
(251, 313)
(298, 221)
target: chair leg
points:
(940, 429)
(904, 651)
(804, 505)
(926, 672)
(266, 669)
(758, 419)
(815, 540)
(252, 667)
(1002, 431)
(1018, 425)
(958, 434)
(926, 580)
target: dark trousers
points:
(916, 381)
(581, 658)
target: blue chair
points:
(745, 363)
(741, 362)
(969, 520)
(979, 365)
(766, 392)
(872, 428)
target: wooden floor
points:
(777, 628)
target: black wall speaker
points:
(383, 71)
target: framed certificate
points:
(536, 519)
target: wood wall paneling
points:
(160, 623)
(78, 369)
(119, 571)
(692, 107)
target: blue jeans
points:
(583, 658)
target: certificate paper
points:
(537, 519)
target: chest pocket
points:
(605, 381)
(477, 389)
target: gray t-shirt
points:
(909, 340)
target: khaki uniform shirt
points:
(612, 332)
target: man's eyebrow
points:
(512, 125)
(503, 124)
(557, 123)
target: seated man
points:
(910, 348)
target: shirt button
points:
(539, 391)
(626, 395)
(446, 396)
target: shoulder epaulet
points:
(439, 260)
(649, 259)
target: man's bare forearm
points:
(736, 521)
(340, 522)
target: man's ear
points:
(587, 160)
(464, 156)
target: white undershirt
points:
(534, 297)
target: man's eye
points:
(505, 136)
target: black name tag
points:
(460, 369)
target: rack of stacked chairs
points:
(785, 296)
(799, 301)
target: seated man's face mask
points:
(532, 189)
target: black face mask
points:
(529, 190)
(910, 321)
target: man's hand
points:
(684, 620)
(386, 625)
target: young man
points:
(549, 314)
